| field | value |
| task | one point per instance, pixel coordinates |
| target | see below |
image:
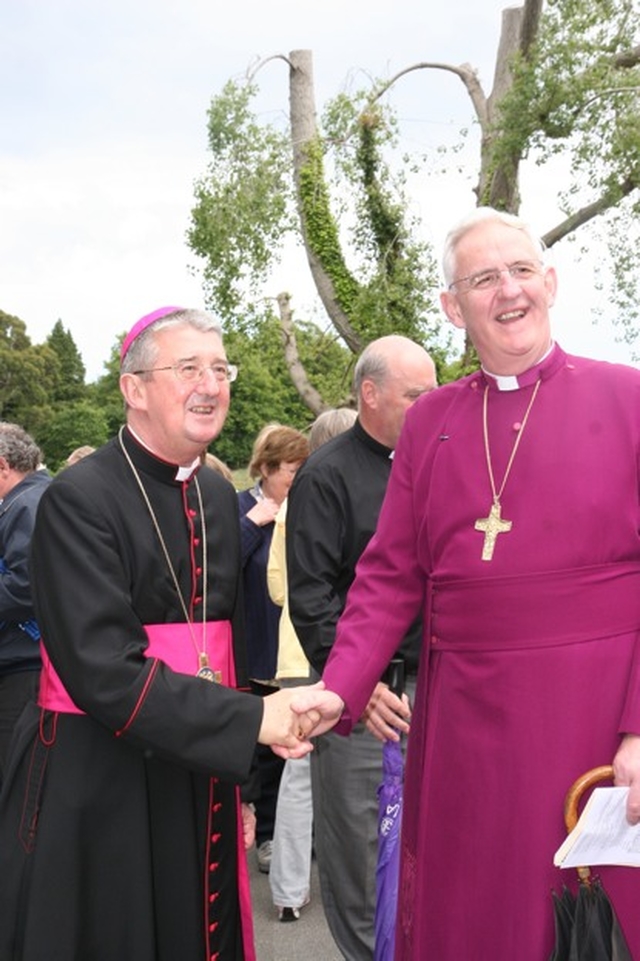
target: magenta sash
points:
(173, 644)
(557, 607)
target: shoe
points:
(289, 914)
(292, 914)
(264, 856)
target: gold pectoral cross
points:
(492, 526)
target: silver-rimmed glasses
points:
(522, 272)
(188, 372)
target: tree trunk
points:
(499, 183)
(304, 136)
(308, 393)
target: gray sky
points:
(103, 113)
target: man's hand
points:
(386, 714)
(626, 770)
(318, 710)
(285, 728)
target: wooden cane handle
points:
(577, 789)
(572, 800)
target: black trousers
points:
(270, 768)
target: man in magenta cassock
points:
(511, 519)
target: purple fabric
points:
(530, 668)
(142, 324)
(388, 865)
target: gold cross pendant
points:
(491, 527)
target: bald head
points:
(390, 375)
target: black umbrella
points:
(586, 925)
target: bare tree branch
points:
(465, 72)
(580, 217)
(275, 56)
(308, 393)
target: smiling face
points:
(177, 419)
(508, 323)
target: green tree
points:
(29, 374)
(264, 393)
(71, 425)
(565, 86)
(71, 380)
(105, 391)
(566, 97)
(42, 388)
(264, 187)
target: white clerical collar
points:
(182, 473)
(510, 381)
(503, 383)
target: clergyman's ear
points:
(133, 390)
(369, 393)
(450, 305)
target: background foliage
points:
(568, 87)
(43, 388)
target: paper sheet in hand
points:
(602, 834)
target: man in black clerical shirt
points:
(333, 509)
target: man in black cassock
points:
(122, 834)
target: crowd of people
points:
(189, 672)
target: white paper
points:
(602, 834)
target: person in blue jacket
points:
(22, 482)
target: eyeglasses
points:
(490, 279)
(190, 373)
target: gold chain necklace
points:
(494, 524)
(204, 668)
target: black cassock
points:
(119, 825)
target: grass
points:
(241, 479)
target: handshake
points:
(294, 714)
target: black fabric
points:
(16, 690)
(586, 926)
(269, 767)
(332, 513)
(118, 827)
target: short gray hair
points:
(18, 448)
(478, 216)
(143, 351)
(329, 424)
(371, 365)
